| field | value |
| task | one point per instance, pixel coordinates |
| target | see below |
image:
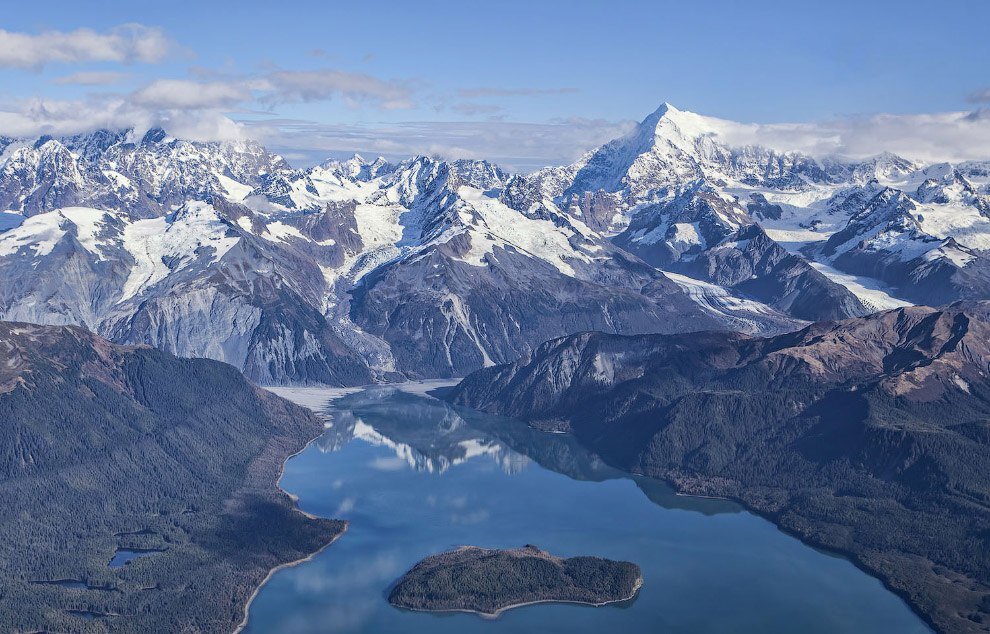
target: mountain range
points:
(360, 271)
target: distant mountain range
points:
(358, 271)
(868, 436)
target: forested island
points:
(490, 581)
(138, 491)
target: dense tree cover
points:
(106, 448)
(870, 437)
(488, 581)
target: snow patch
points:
(279, 231)
(686, 235)
(160, 246)
(540, 239)
(39, 233)
(235, 191)
(870, 292)
(961, 383)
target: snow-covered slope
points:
(664, 191)
(362, 270)
(191, 283)
(143, 176)
(334, 274)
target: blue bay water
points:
(414, 476)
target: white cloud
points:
(318, 85)
(944, 136)
(519, 146)
(186, 94)
(124, 43)
(192, 108)
(206, 125)
(980, 96)
(276, 87)
(513, 92)
(36, 117)
(92, 78)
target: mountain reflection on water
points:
(430, 435)
(414, 476)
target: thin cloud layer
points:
(518, 146)
(184, 94)
(206, 104)
(980, 96)
(92, 78)
(274, 88)
(126, 43)
(201, 110)
(472, 93)
(950, 136)
(321, 85)
(944, 136)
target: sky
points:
(523, 83)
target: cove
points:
(415, 476)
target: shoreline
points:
(848, 555)
(497, 613)
(289, 564)
(271, 573)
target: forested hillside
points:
(867, 436)
(109, 452)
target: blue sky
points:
(464, 77)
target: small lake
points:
(415, 476)
(124, 556)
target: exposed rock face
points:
(444, 317)
(887, 240)
(107, 448)
(344, 274)
(114, 170)
(867, 436)
(194, 284)
(672, 188)
(222, 250)
(706, 235)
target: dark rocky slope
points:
(699, 233)
(107, 447)
(442, 317)
(868, 436)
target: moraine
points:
(415, 477)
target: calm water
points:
(124, 556)
(415, 476)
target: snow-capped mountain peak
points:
(357, 269)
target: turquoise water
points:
(415, 476)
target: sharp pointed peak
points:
(43, 140)
(674, 125)
(665, 111)
(666, 108)
(154, 135)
